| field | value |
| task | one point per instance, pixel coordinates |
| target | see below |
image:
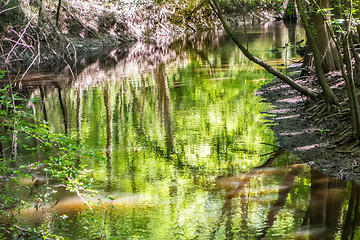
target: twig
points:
(77, 20)
(20, 38)
(266, 154)
(32, 63)
(22, 44)
(271, 145)
(26, 231)
(82, 198)
(8, 9)
(36, 57)
(71, 71)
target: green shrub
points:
(59, 161)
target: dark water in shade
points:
(182, 135)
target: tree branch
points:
(8, 9)
(307, 92)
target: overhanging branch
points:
(307, 92)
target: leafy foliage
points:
(58, 160)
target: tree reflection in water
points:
(177, 122)
(329, 210)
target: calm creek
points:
(187, 151)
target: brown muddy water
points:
(188, 153)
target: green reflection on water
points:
(181, 141)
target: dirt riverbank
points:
(40, 39)
(312, 138)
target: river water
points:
(188, 152)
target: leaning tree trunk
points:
(307, 92)
(330, 97)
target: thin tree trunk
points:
(109, 137)
(307, 92)
(40, 12)
(78, 113)
(330, 97)
(329, 57)
(351, 89)
(14, 147)
(63, 109)
(317, 204)
(58, 13)
(14, 144)
(334, 207)
(355, 222)
(43, 99)
(336, 4)
(2, 155)
(165, 108)
(346, 230)
(357, 62)
(348, 76)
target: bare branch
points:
(307, 92)
(18, 41)
(8, 9)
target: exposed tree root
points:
(325, 109)
(345, 136)
(315, 106)
(355, 144)
(320, 109)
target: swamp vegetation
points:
(105, 138)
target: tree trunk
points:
(357, 62)
(58, 13)
(330, 60)
(40, 12)
(284, 190)
(109, 137)
(78, 114)
(63, 109)
(351, 89)
(348, 75)
(357, 16)
(330, 97)
(351, 222)
(307, 92)
(337, 9)
(43, 99)
(165, 108)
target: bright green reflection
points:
(174, 129)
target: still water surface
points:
(187, 150)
